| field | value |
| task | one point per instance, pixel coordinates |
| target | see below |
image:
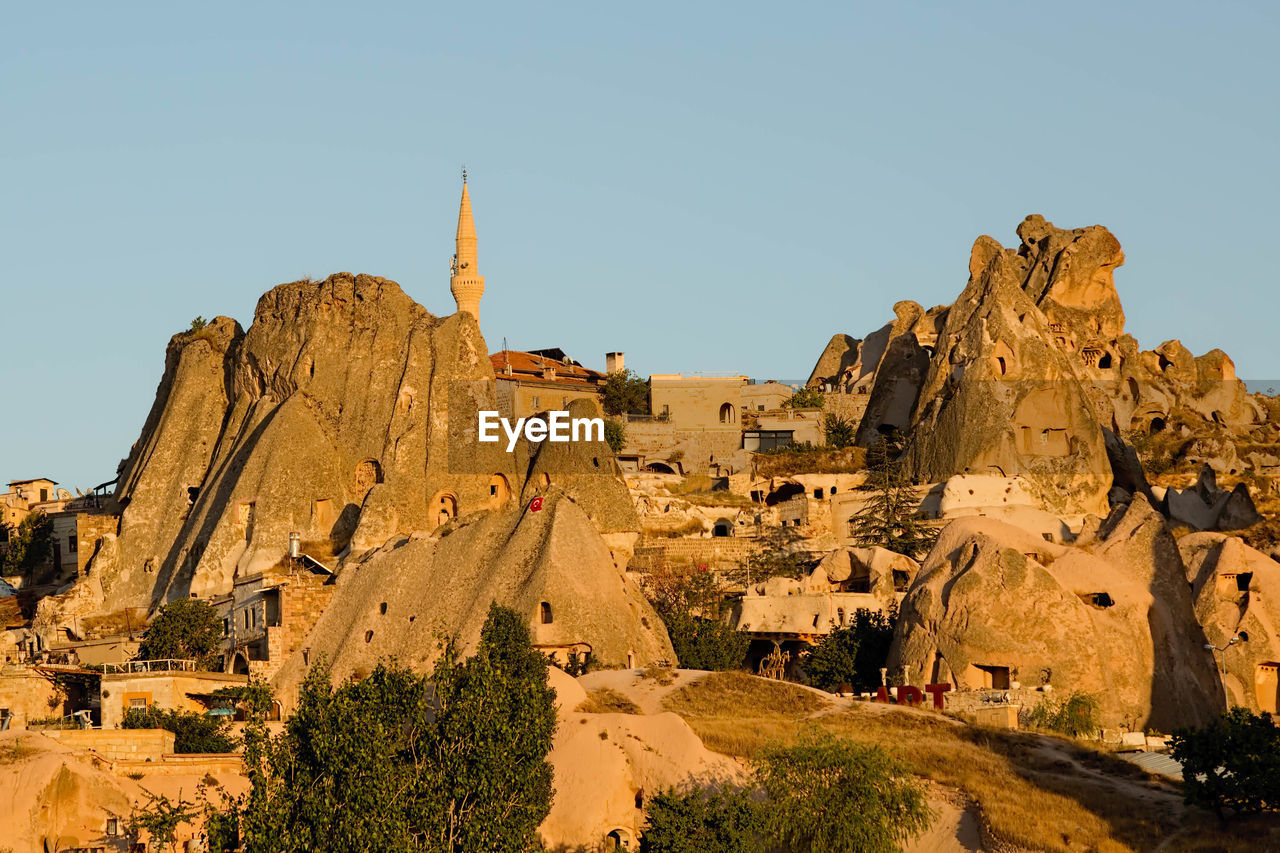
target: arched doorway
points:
(240, 664)
(618, 839)
(727, 413)
(499, 490)
(443, 508)
(722, 528)
(659, 468)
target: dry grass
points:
(1033, 792)
(605, 700)
(738, 693)
(846, 460)
(12, 753)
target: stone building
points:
(267, 615)
(703, 424)
(542, 380)
(175, 685)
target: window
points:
(545, 612)
(226, 627)
(72, 543)
(726, 413)
(537, 403)
(44, 495)
(137, 703)
(817, 494)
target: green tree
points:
(1233, 764)
(690, 602)
(624, 393)
(184, 629)
(615, 435)
(702, 643)
(700, 821)
(30, 544)
(890, 518)
(806, 398)
(197, 324)
(159, 819)
(193, 732)
(838, 430)
(852, 654)
(451, 762)
(831, 795)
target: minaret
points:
(467, 284)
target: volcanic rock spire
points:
(466, 283)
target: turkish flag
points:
(535, 504)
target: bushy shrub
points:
(1232, 764)
(192, 731)
(852, 654)
(1077, 715)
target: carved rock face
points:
(1112, 617)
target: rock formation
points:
(348, 414)
(1045, 320)
(1111, 616)
(1237, 601)
(551, 565)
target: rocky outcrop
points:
(1237, 601)
(331, 415)
(549, 564)
(348, 414)
(1000, 399)
(1112, 616)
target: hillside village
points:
(1069, 515)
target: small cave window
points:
(544, 612)
(1100, 600)
(193, 492)
(721, 529)
(817, 494)
(1242, 581)
(368, 636)
(1157, 425)
(901, 580)
(1104, 362)
(382, 608)
(833, 490)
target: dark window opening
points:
(1105, 362)
(368, 636)
(1242, 581)
(817, 494)
(901, 580)
(1097, 599)
(545, 611)
(1157, 425)
(382, 608)
(192, 493)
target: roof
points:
(528, 365)
(1157, 763)
(33, 480)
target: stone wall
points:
(715, 551)
(91, 527)
(27, 695)
(117, 744)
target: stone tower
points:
(466, 283)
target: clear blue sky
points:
(705, 186)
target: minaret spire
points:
(467, 284)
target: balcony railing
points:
(168, 665)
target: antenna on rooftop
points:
(464, 173)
